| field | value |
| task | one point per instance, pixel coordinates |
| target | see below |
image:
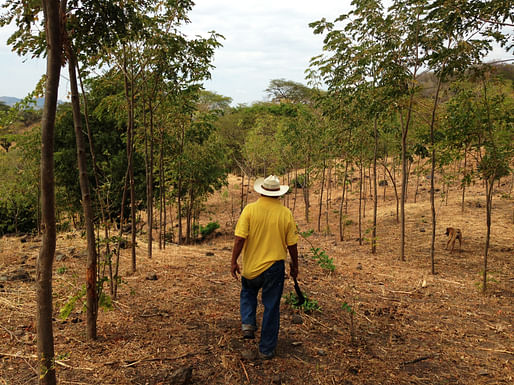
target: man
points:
(264, 232)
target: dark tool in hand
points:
(299, 294)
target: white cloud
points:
(265, 40)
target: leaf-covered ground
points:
(408, 326)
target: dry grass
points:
(410, 327)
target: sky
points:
(264, 40)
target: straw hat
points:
(270, 186)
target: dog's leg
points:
(452, 240)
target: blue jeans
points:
(272, 283)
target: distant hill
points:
(11, 101)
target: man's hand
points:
(293, 270)
(238, 246)
(234, 270)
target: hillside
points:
(178, 315)
(11, 101)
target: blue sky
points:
(264, 40)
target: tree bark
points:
(375, 191)
(489, 187)
(321, 196)
(242, 190)
(464, 182)
(341, 205)
(360, 201)
(91, 264)
(45, 337)
(432, 174)
(393, 181)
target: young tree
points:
(53, 12)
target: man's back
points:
(268, 228)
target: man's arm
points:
(236, 251)
(293, 266)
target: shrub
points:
(209, 229)
(309, 306)
(298, 182)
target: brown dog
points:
(453, 235)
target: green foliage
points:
(68, 307)
(62, 356)
(209, 228)
(309, 306)
(104, 301)
(110, 154)
(306, 234)
(347, 308)
(323, 259)
(319, 254)
(61, 270)
(299, 182)
(19, 173)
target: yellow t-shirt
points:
(268, 228)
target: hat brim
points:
(257, 186)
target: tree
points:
(480, 110)
(52, 11)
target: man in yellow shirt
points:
(264, 233)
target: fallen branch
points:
(244, 369)
(319, 322)
(129, 363)
(299, 359)
(497, 350)
(417, 360)
(59, 362)
(162, 314)
(404, 292)
(447, 280)
(18, 355)
(32, 356)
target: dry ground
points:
(409, 327)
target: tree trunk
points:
(385, 180)
(393, 181)
(321, 196)
(305, 191)
(360, 201)
(120, 236)
(328, 199)
(295, 188)
(161, 190)
(489, 187)
(242, 190)
(149, 181)
(91, 264)
(45, 337)
(341, 216)
(163, 200)
(375, 191)
(464, 182)
(418, 173)
(432, 173)
(129, 96)
(189, 209)
(405, 129)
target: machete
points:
(299, 294)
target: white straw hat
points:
(270, 186)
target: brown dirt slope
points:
(409, 326)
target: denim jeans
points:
(272, 283)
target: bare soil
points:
(409, 326)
